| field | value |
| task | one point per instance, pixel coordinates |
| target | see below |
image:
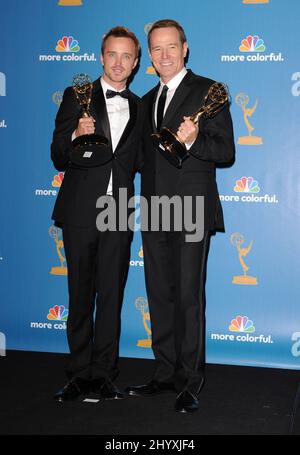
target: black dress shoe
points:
(106, 389)
(150, 389)
(186, 402)
(73, 390)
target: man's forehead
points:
(123, 43)
(167, 34)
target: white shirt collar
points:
(175, 81)
(106, 86)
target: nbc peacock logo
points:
(67, 49)
(242, 324)
(56, 183)
(246, 185)
(252, 49)
(58, 313)
(242, 330)
(252, 44)
(57, 180)
(67, 44)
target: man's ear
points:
(185, 48)
(135, 63)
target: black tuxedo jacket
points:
(81, 187)
(214, 145)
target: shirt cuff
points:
(189, 145)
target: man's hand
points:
(187, 131)
(86, 125)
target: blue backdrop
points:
(253, 311)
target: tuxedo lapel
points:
(151, 111)
(131, 122)
(98, 106)
(179, 97)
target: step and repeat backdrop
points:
(253, 307)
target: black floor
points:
(234, 401)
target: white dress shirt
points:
(172, 87)
(118, 116)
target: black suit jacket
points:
(76, 201)
(214, 145)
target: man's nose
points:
(165, 53)
(118, 60)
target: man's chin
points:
(119, 79)
(167, 72)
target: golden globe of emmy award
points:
(88, 150)
(172, 148)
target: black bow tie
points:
(112, 93)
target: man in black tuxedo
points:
(175, 269)
(97, 261)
